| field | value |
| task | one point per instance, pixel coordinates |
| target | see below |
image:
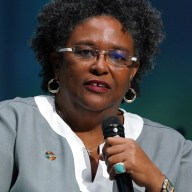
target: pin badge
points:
(50, 155)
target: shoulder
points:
(153, 132)
(17, 107)
(12, 114)
(159, 129)
(17, 102)
(18, 113)
(164, 139)
(147, 128)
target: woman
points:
(93, 54)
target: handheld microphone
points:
(113, 128)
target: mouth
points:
(97, 86)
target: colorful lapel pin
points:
(50, 155)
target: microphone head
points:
(112, 127)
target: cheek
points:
(70, 74)
(67, 68)
(124, 80)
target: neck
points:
(83, 120)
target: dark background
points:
(166, 92)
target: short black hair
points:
(58, 19)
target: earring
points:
(130, 96)
(53, 86)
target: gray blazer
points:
(26, 164)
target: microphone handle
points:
(124, 183)
(112, 127)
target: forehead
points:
(102, 30)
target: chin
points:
(97, 105)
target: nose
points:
(100, 66)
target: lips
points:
(97, 86)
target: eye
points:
(117, 55)
(84, 51)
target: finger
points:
(110, 156)
(114, 160)
(115, 140)
(112, 141)
(116, 149)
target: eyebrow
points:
(91, 43)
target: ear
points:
(56, 61)
(134, 69)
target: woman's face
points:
(95, 85)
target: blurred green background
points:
(166, 92)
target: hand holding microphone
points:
(123, 156)
(112, 128)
